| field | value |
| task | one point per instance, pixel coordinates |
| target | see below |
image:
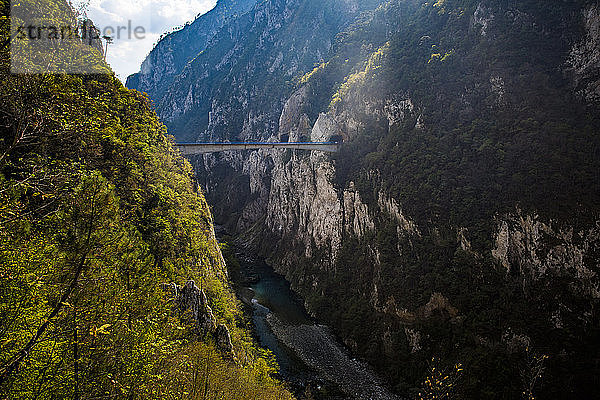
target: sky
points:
(142, 22)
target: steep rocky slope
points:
(173, 51)
(461, 215)
(460, 219)
(236, 87)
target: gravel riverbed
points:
(320, 349)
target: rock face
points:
(192, 305)
(317, 213)
(482, 18)
(175, 50)
(584, 59)
(539, 250)
(224, 340)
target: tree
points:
(440, 383)
(89, 219)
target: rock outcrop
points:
(223, 338)
(538, 250)
(191, 304)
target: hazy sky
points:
(154, 17)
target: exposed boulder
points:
(193, 306)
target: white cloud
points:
(154, 17)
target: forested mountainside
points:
(460, 220)
(112, 284)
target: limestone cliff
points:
(175, 50)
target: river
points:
(309, 355)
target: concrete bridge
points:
(188, 149)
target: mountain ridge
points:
(173, 51)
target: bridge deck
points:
(188, 149)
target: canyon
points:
(459, 220)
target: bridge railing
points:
(203, 148)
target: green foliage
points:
(97, 211)
(198, 372)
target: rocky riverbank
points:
(319, 348)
